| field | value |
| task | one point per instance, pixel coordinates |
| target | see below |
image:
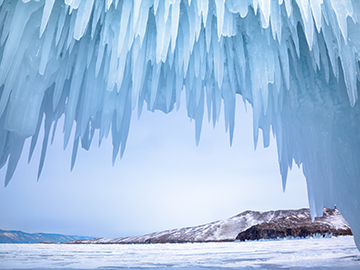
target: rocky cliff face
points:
(283, 223)
(298, 226)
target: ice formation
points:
(297, 62)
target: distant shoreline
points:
(248, 225)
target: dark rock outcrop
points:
(297, 226)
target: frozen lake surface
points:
(313, 253)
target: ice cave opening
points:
(297, 62)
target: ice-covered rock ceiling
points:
(297, 62)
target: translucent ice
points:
(297, 62)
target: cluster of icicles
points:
(95, 61)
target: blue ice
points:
(297, 62)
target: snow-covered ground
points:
(312, 253)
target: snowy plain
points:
(311, 253)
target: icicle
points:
(265, 8)
(49, 36)
(82, 18)
(220, 11)
(17, 146)
(125, 16)
(46, 15)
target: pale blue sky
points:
(163, 181)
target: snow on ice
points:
(297, 62)
(301, 254)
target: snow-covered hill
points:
(229, 229)
(22, 237)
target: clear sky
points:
(163, 181)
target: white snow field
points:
(297, 62)
(311, 253)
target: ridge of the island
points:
(249, 225)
